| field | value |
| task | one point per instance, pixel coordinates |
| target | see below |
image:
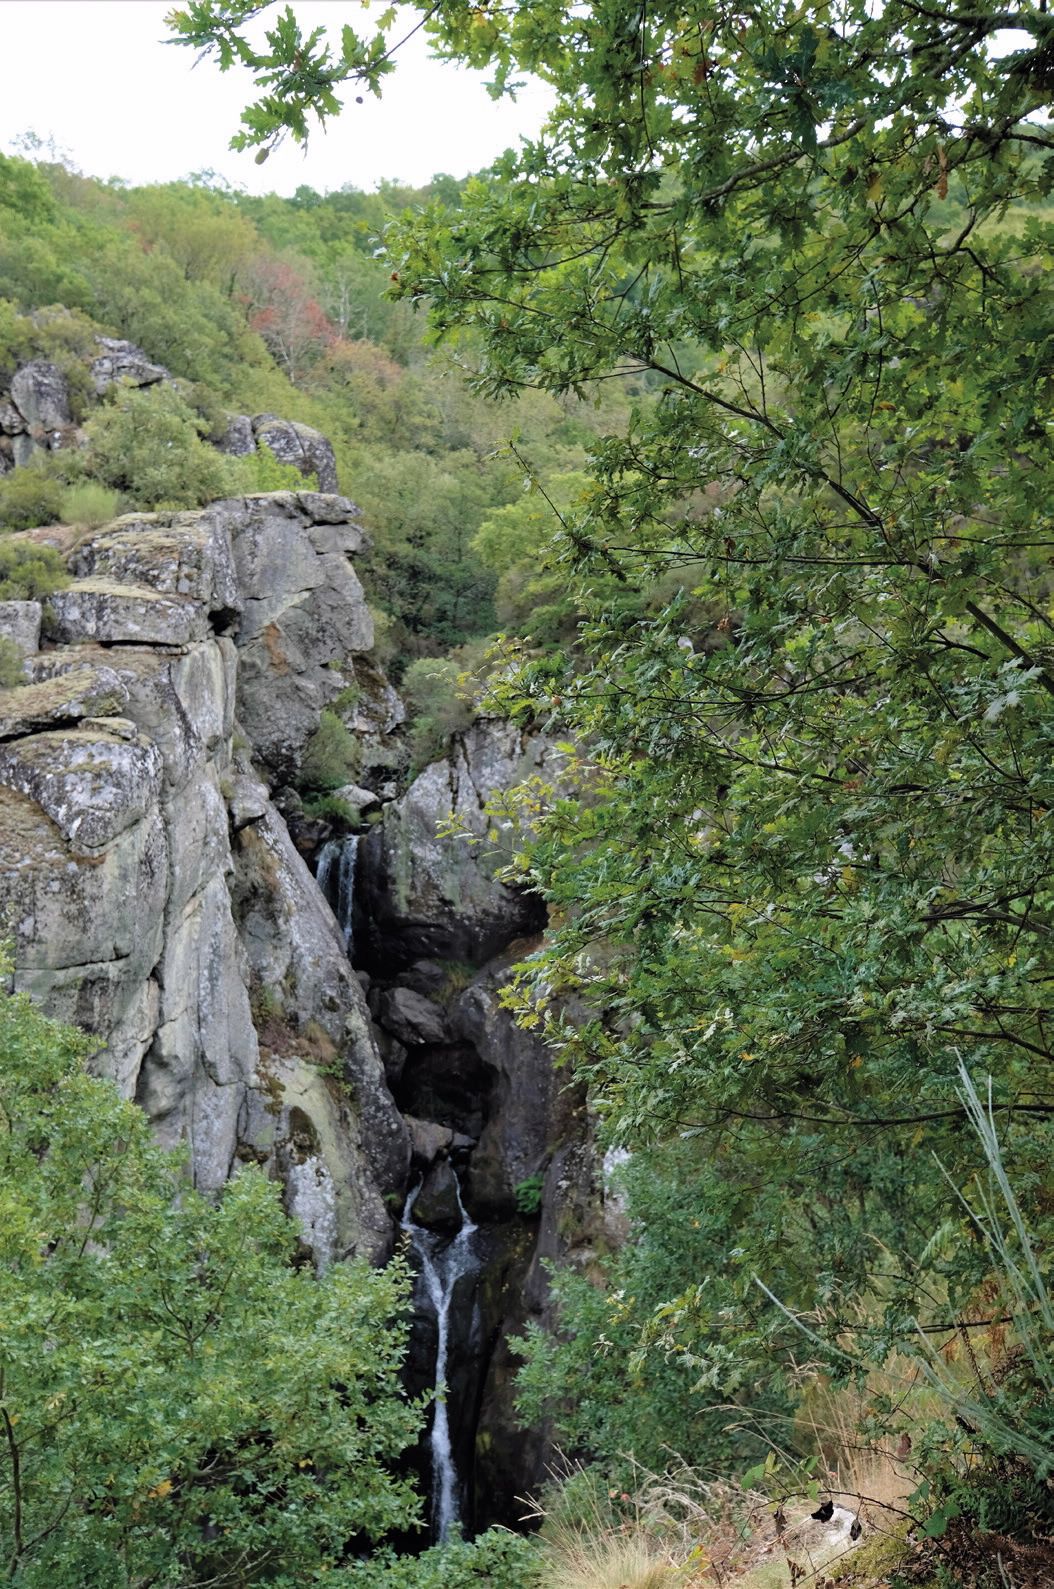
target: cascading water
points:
(338, 857)
(444, 1261)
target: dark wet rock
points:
(437, 1205)
(410, 1017)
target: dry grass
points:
(578, 1560)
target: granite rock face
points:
(300, 445)
(304, 620)
(20, 623)
(432, 897)
(119, 360)
(148, 883)
(41, 394)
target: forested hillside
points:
(284, 306)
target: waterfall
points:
(444, 1261)
(339, 856)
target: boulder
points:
(183, 555)
(112, 613)
(119, 360)
(11, 421)
(304, 619)
(429, 1139)
(411, 1018)
(298, 444)
(20, 623)
(437, 1205)
(357, 799)
(238, 438)
(83, 688)
(93, 782)
(438, 897)
(41, 394)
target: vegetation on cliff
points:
(275, 305)
(178, 1403)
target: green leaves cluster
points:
(177, 1403)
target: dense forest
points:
(708, 435)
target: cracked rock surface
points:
(150, 887)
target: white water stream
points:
(340, 855)
(444, 1261)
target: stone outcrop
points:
(307, 449)
(430, 897)
(20, 624)
(304, 620)
(36, 413)
(149, 885)
(119, 360)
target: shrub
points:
(201, 1412)
(332, 755)
(10, 664)
(439, 695)
(498, 1559)
(28, 571)
(29, 496)
(264, 471)
(89, 504)
(147, 444)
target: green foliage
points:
(89, 504)
(178, 1403)
(528, 1194)
(30, 496)
(617, 1376)
(29, 571)
(438, 692)
(263, 471)
(812, 864)
(331, 757)
(498, 1559)
(11, 661)
(146, 443)
(328, 807)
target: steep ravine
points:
(154, 894)
(497, 1138)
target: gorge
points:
(345, 1033)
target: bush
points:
(264, 471)
(147, 444)
(89, 504)
(181, 1404)
(439, 693)
(332, 755)
(28, 571)
(497, 1559)
(10, 664)
(29, 497)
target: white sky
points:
(95, 76)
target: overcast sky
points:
(95, 76)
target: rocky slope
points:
(154, 895)
(36, 413)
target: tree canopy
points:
(178, 1404)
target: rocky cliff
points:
(154, 895)
(149, 884)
